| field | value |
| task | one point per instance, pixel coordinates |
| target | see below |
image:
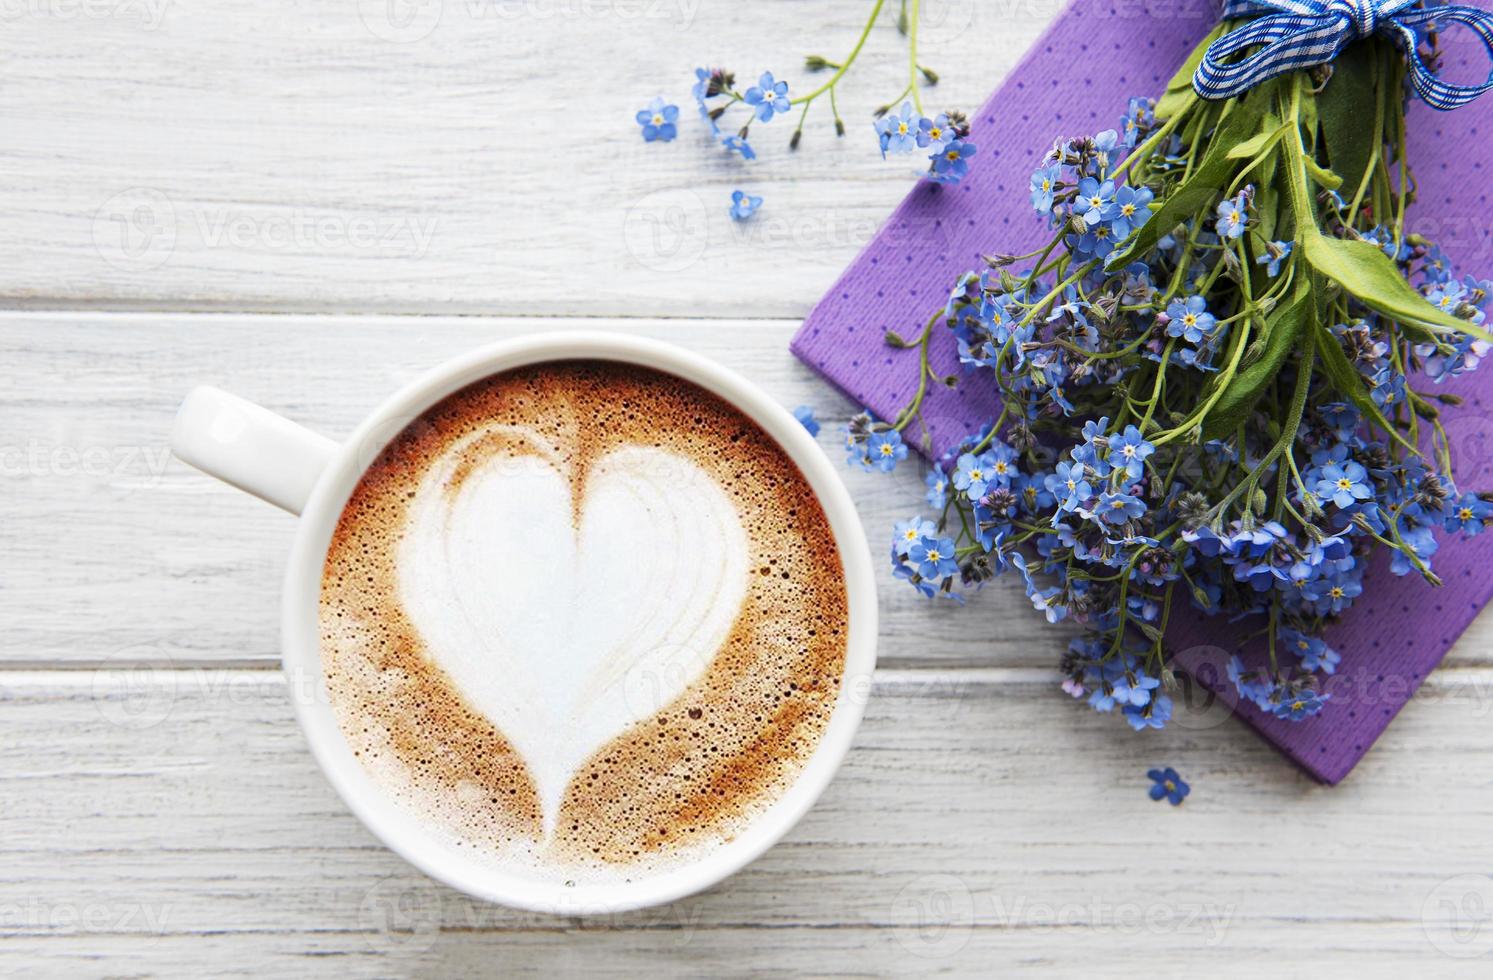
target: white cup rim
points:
(417, 842)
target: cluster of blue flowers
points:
(1141, 513)
(945, 138)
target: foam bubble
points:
(697, 650)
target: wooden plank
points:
(159, 819)
(449, 155)
(117, 553)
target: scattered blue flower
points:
(1166, 784)
(951, 163)
(744, 205)
(934, 558)
(805, 416)
(898, 131)
(886, 450)
(659, 121)
(767, 97)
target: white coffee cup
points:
(309, 475)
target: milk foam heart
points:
(567, 606)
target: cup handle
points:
(250, 447)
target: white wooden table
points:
(310, 202)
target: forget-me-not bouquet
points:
(1219, 376)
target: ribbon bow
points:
(1295, 34)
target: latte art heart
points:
(568, 606)
(583, 620)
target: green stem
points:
(849, 59)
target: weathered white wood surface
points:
(204, 191)
(165, 819)
(471, 155)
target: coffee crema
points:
(586, 618)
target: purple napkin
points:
(1076, 81)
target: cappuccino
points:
(585, 618)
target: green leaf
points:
(1283, 332)
(1347, 109)
(1179, 91)
(1257, 144)
(1373, 279)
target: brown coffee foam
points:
(698, 770)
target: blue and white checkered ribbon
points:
(1293, 34)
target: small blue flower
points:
(805, 416)
(1131, 209)
(1095, 201)
(1468, 515)
(1189, 319)
(1344, 484)
(972, 474)
(735, 144)
(907, 533)
(744, 205)
(1272, 256)
(1096, 243)
(899, 131)
(1155, 714)
(935, 133)
(934, 558)
(1231, 218)
(1133, 685)
(1302, 704)
(886, 449)
(1166, 784)
(1128, 451)
(1139, 116)
(768, 96)
(659, 121)
(1044, 185)
(938, 488)
(1252, 685)
(951, 163)
(1117, 508)
(1314, 652)
(1069, 483)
